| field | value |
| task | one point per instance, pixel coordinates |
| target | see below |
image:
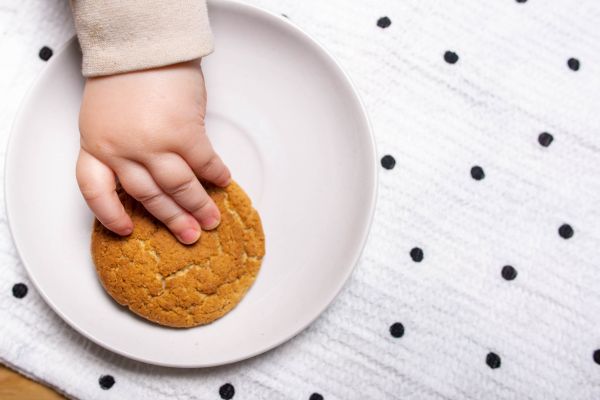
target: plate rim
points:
(238, 4)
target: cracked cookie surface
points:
(173, 284)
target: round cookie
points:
(176, 285)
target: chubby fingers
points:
(175, 178)
(205, 163)
(97, 184)
(137, 181)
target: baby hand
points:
(147, 128)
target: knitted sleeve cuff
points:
(126, 35)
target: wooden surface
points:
(14, 386)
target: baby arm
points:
(142, 114)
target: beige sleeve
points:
(126, 35)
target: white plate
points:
(287, 121)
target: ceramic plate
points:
(289, 124)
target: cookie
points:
(176, 285)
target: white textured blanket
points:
(481, 278)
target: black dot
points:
(416, 254)
(521, 1)
(388, 162)
(597, 356)
(509, 272)
(227, 391)
(19, 290)
(284, 15)
(545, 139)
(573, 63)
(384, 22)
(493, 360)
(451, 57)
(477, 173)
(45, 53)
(316, 396)
(106, 381)
(565, 231)
(397, 330)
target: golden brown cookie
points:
(173, 284)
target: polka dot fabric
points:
(480, 277)
(106, 382)
(227, 391)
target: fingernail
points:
(127, 231)
(212, 223)
(189, 236)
